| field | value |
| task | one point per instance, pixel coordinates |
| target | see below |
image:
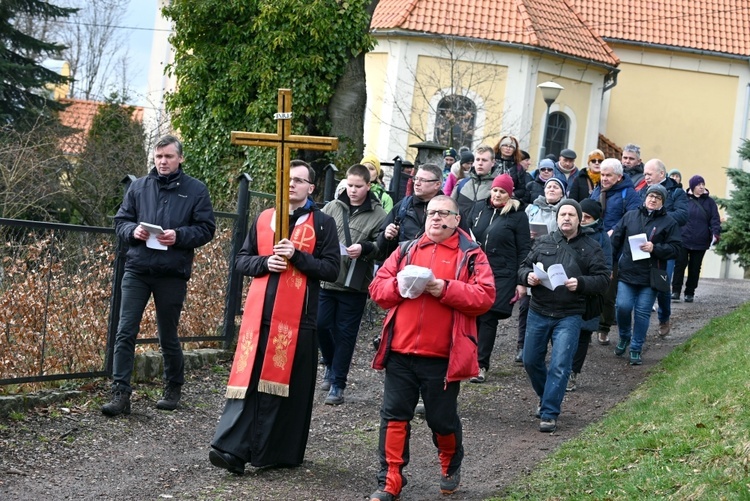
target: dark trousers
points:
(169, 296)
(487, 332)
(339, 316)
(584, 340)
(405, 377)
(607, 318)
(523, 314)
(692, 261)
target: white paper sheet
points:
(153, 231)
(635, 242)
(553, 278)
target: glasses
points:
(508, 146)
(596, 160)
(442, 213)
(299, 180)
(545, 169)
(423, 180)
(653, 195)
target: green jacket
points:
(385, 199)
(364, 226)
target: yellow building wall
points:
(576, 98)
(487, 82)
(375, 64)
(682, 117)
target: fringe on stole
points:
(279, 389)
(237, 392)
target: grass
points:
(683, 434)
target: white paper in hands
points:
(153, 230)
(552, 278)
(412, 280)
(635, 242)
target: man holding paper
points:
(643, 240)
(164, 217)
(555, 313)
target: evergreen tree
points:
(735, 232)
(22, 77)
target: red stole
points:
(285, 319)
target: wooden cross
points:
(284, 141)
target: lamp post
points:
(550, 91)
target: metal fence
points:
(60, 294)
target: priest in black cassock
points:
(266, 419)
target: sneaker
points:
(120, 403)
(621, 347)
(170, 398)
(519, 356)
(481, 377)
(572, 382)
(419, 409)
(635, 358)
(335, 396)
(675, 296)
(327, 376)
(376, 342)
(227, 461)
(664, 328)
(602, 338)
(449, 483)
(379, 495)
(538, 413)
(548, 425)
(688, 299)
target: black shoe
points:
(688, 299)
(519, 356)
(675, 296)
(227, 461)
(449, 483)
(335, 396)
(170, 398)
(376, 342)
(120, 403)
(327, 378)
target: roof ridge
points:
(591, 30)
(408, 8)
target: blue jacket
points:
(703, 223)
(676, 202)
(176, 202)
(621, 198)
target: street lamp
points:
(550, 91)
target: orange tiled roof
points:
(79, 115)
(713, 25)
(552, 25)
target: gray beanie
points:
(576, 206)
(659, 189)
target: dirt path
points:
(76, 453)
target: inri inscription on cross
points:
(284, 141)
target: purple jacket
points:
(703, 224)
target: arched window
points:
(558, 129)
(455, 120)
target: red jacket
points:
(469, 292)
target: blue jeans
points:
(169, 295)
(634, 301)
(549, 383)
(665, 298)
(339, 316)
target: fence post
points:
(234, 282)
(118, 269)
(329, 190)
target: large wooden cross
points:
(284, 141)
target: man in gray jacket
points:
(164, 217)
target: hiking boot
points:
(449, 483)
(327, 377)
(419, 409)
(602, 338)
(635, 358)
(621, 347)
(664, 328)
(170, 398)
(548, 425)
(572, 382)
(481, 377)
(335, 396)
(675, 296)
(120, 403)
(227, 461)
(519, 356)
(688, 299)
(379, 495)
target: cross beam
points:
(284, 141)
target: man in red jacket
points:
(429, 343)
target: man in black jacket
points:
(555, 313)
(177, 211)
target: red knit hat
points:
(505, 182)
